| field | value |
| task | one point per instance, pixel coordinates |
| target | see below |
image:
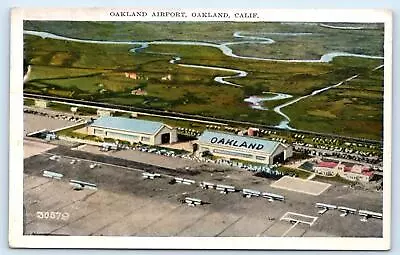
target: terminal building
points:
(133, 130)
(243, 147)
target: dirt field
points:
(126, 204)
(37, 122)
(32, 148)
(187, 146)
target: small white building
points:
(74, 109)
(243, 147)
(326, 168)
(104, 113)
(133, 130)
(41, 103)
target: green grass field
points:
(354, 108)
(294, 172)
(98, 72)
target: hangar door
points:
(278, 158)
(165, 138)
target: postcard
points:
(146, 128)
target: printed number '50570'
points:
(52, 215)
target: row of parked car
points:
(365, 159)
(54, 116)
(139, 147)
(171, 153)
(337, 149)
(188, 131)
(270, 170)
(157, 151)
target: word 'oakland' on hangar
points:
(243, 147)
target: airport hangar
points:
(246, 148)
(133, 130)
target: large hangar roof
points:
(131, 125)
(235, 141)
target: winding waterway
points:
(278, 109)
(343, 27)
(226, 50)
(219, 79)
(256, 101)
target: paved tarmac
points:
(126, 204)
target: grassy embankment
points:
(334, 179)
(294, 172)
(29, 102)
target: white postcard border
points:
(17, 239)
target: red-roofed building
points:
(356, 173)
(368, 173)
(347, 171)
(327, 164)
(326, 168)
